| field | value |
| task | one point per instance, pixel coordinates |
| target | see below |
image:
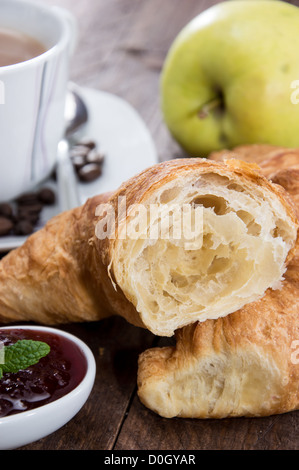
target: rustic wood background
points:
(121, 49)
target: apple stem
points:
(209, 106)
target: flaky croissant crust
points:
(246, 364)
(65, 273)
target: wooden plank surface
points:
(144, 430)
(121, 48)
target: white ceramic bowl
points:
(29, 426)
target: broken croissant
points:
(246, 364)
(103, 258)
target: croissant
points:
(183, 241)
(269, 158)
(245, 364)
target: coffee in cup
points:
(16, 47)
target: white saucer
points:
(121, 135)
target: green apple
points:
(228, 76)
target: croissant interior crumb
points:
(214, 267)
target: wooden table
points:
(121, 49)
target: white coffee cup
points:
(32, 96)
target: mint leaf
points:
(22, 354)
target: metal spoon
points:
(76, 115)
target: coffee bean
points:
(28, 209)
(46, 196)
(31, 208)
(23, 227)
(86, 142)
(27, 198)
(95, 157)
(6, 226)
(29, 213)
(30, 216)
(90, 172)
(87, 160)
(79, 150)
(78, 161)
(6, 210)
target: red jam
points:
(52, 377)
